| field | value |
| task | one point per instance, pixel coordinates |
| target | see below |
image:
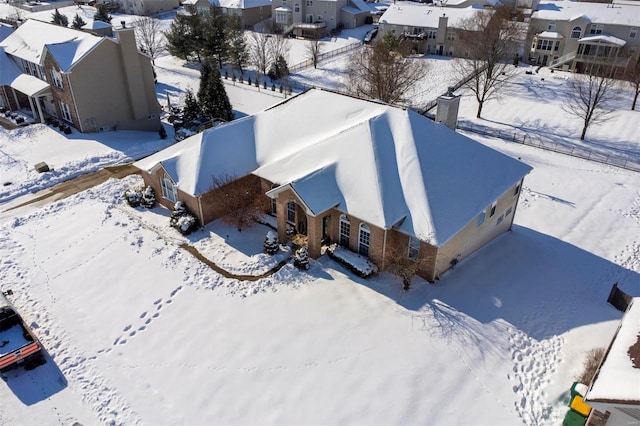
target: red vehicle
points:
(18, 346)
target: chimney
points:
(133, 71)
(447, 110)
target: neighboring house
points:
(615, 389)
(147, 7)
(572, 34)
(316, 18)
(432, 29)
(92, 83)
(250, 12)
(370, 177)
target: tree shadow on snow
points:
(541, 285)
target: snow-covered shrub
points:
(301, 258)
(182, 220)
(148, 198)
(133, 196)
(362, 266)
(271, 245)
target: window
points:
(309, 3)
(508, 212)
(41, 73)
(576, 32)
(492, 209)
(551, 26)
(556, 46)
(500, 219)
(282, 18)
(296, 7)
(345, 228)
(364, 237)
(66, 112)
(168, 189)
(451, 35)
(274, 203)
(432, 34)
(414, 248)
(480, 219)
(319, 18)
(596, 29)
(291, 212)
(633, 33)
(545, 44)
(309, 19)
(57, 79)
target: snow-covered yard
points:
(138, 331)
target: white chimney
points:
(447, 110)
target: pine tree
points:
(59, 19)
(237, 50)
(185, 37)
(301, 258)
(214, 43)
(191, 108)
(212, 95)
(102, 14)
(78, 22)
(271, 245)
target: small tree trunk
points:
(584, 132)
(479, 113)
(635, 99)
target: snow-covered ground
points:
(140, 332)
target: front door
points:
(325, 230)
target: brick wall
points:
(61, 95)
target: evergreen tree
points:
(102, 14)
(237, 50)
(271, 245)
(59, 19)
(212, 95)
(78, 22)
(185, 36)
(191, 108)
(214, 43)
(279, 68)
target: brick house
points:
(368, 176)
(91, 82)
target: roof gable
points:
(382, 164)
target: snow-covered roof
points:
(596, 13)
(30, 85)
(5, 30)
(618, 380)
(551, 35)
(66, 45)
(240, 4)
(361, 5)
(425, 16)
(384, 165)
(603, 38)
(8, 69)
(97, 25)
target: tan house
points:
(615, 388)
(90, 82)
(570, 35)
(147, 7)
(316, 18)
(250, 12)
(431, 29)
(373, 178)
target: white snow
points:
(425, 16)
(66, 46)
(618, 379)
(139, 332)
(596, 13)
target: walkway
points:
(84, 182)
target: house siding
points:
(472, 237)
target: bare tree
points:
(150, 37)
(240, 200)
(259, 51)
(313, 51)
(383, 72)
(278, 46)
(632, 76)
(589, 94)
(490, 38)
(399, 263)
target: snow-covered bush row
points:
(361, 266)
(182, 220)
